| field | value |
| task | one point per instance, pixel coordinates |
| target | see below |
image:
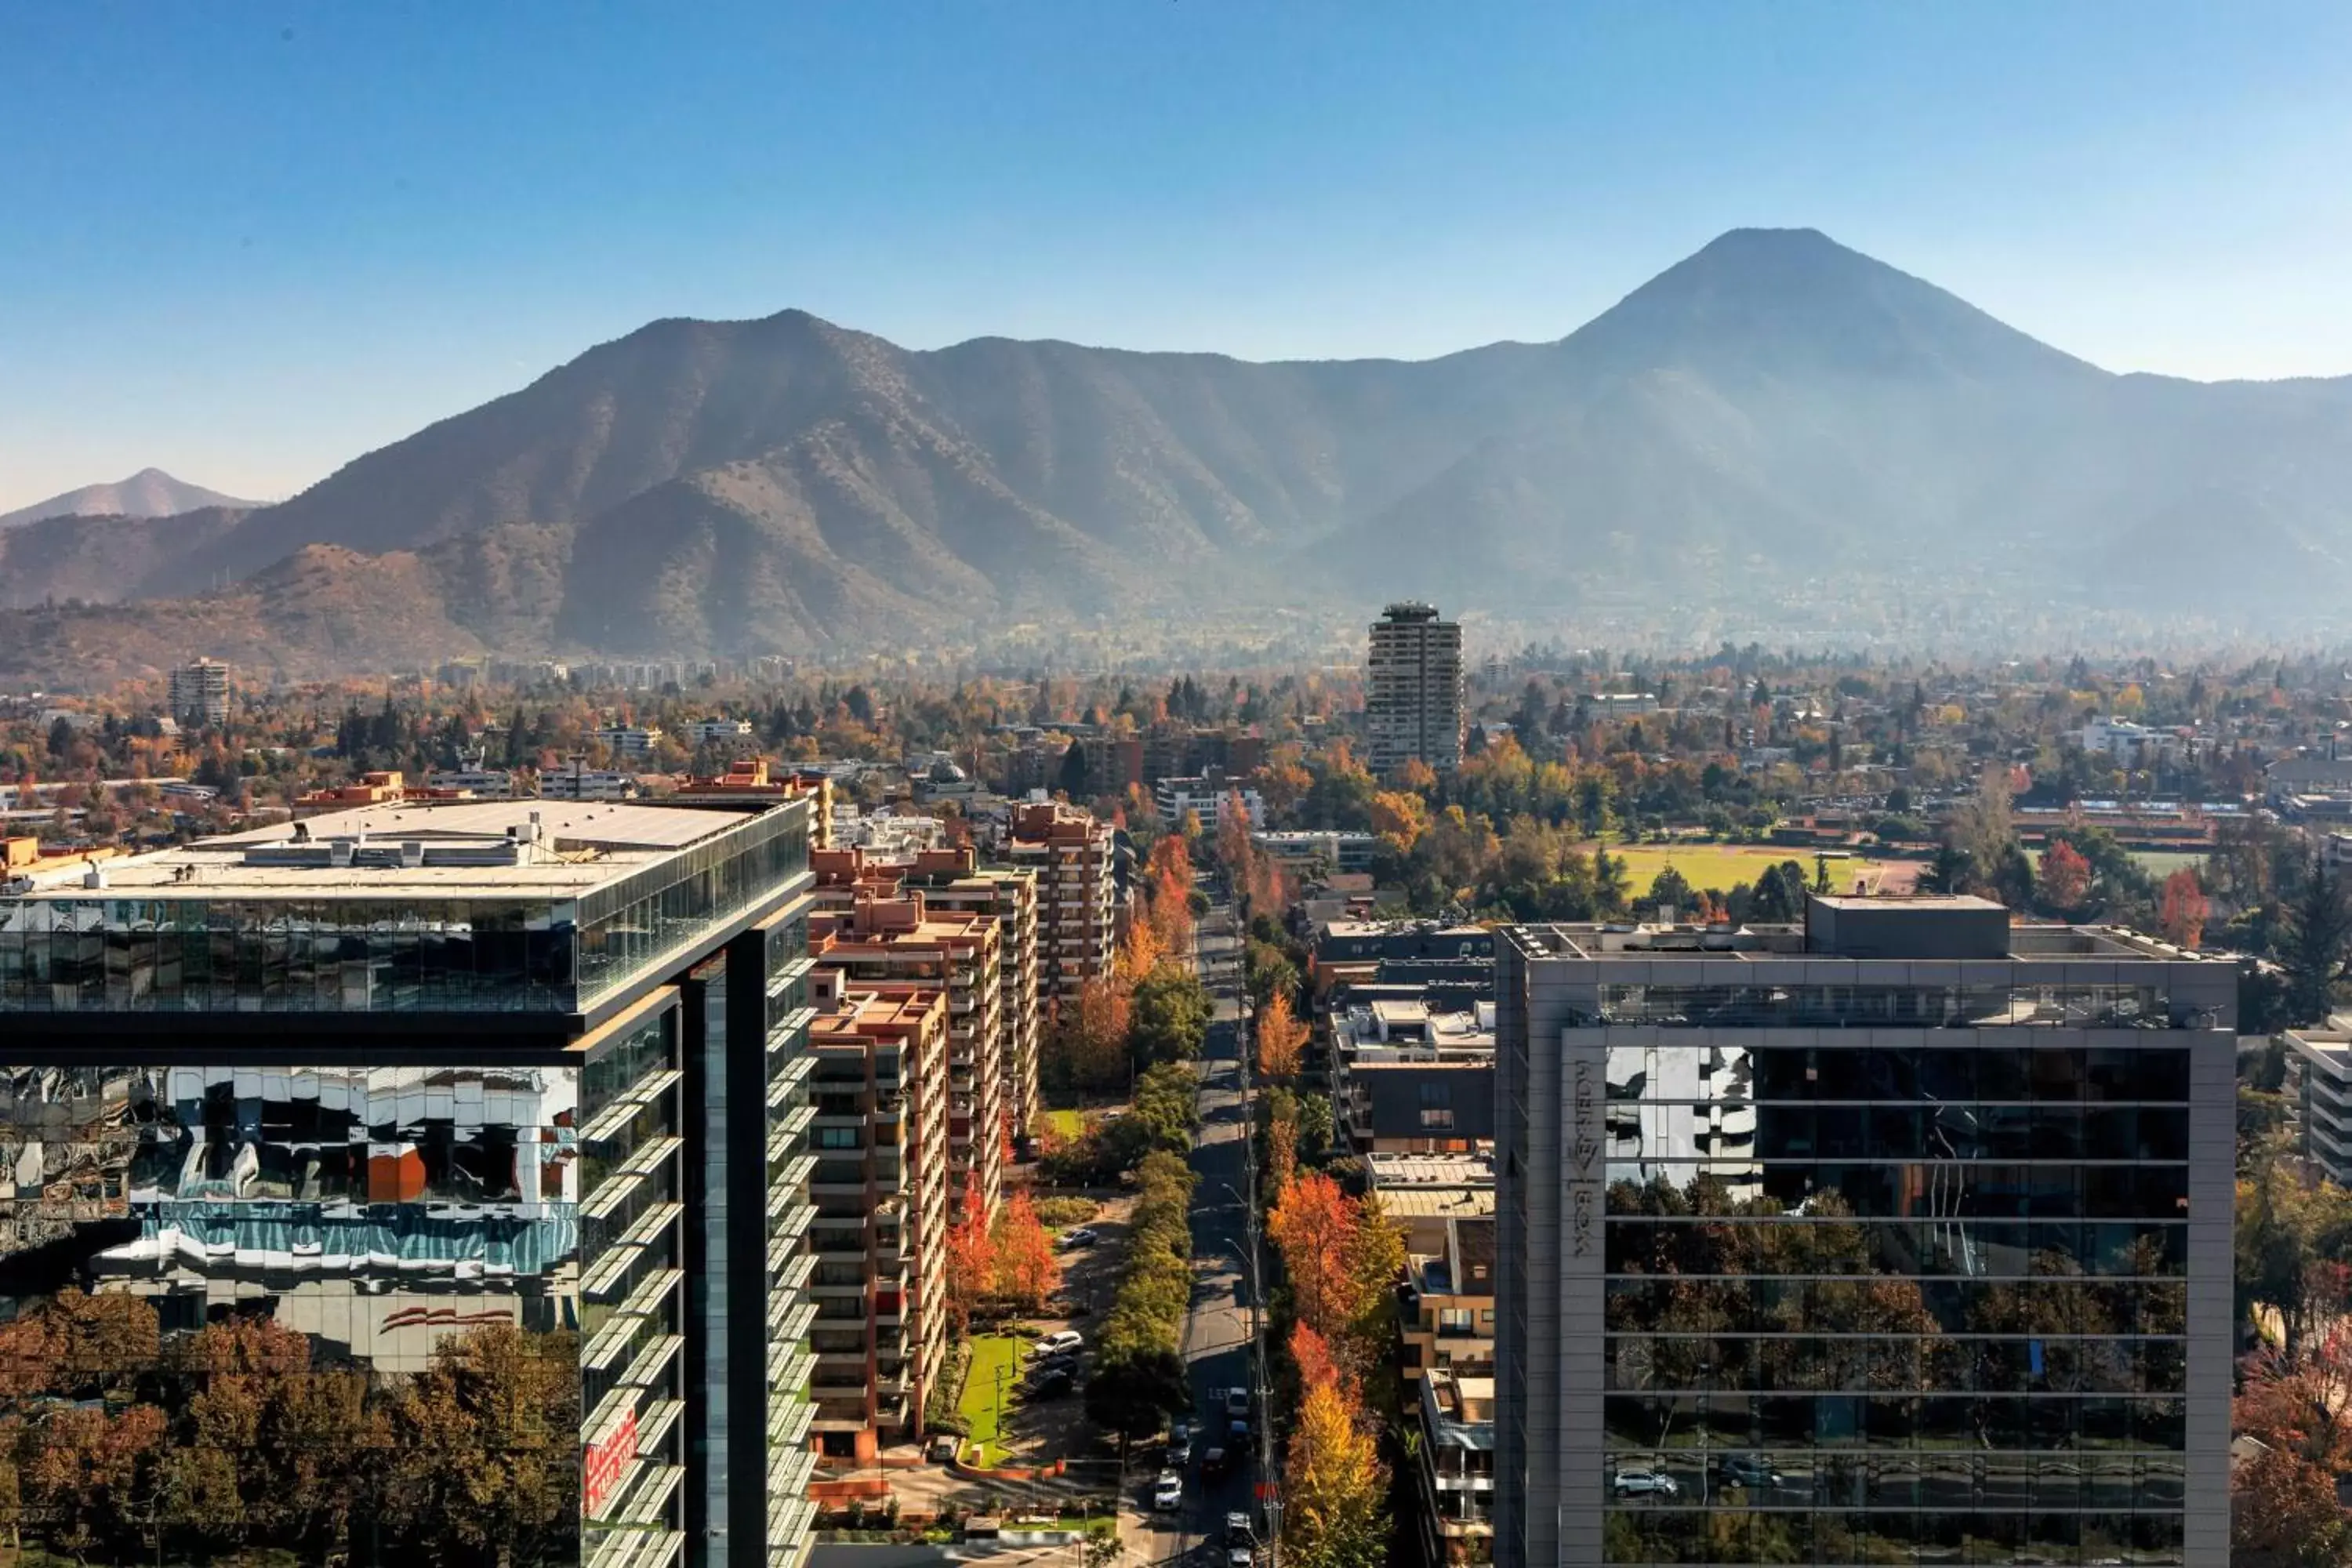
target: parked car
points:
(1750, 1470)
(1238, 1532)
(1051, 1383)
(1237, 1402)
(1645, 1483)
(1180, 1451)
(1167, 1492)
(943, 1450)
(1237, 1435)
(1215, 1462)
(1082, 1237)
(1179, 1427)
(1064, 1340)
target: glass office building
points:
(420, 1182)
(1903, 1238)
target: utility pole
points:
(1269, 1483)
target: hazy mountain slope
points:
(1775, 416)
(149, 492)
(1778, 407)
(105, 559)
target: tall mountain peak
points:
(1773, 301)
(149, 492)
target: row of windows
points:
(1644, 1422)
(1937, 1074)
(1940, 1364)
(1938, 1537)
(1960, 1132)
(1731, 1305)
(1900, 1191)
(271, 958)
(627, 925)
(2146, 1004)
(1965, 1248)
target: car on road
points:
(1240, 1557)
(1053, 1382)
(1215, 1462)
(1083, 1236)
(1237, 1435)
(1237, 1402)
(1644, 1483)
(1167, 1492)
(1054, 1344)
(1238, 1532)
(1179, 1449)
(943, 1450)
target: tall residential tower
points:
(1413, 689)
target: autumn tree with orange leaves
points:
(1281, 1037)
(1335, 1487)
(1026, 1272)
(971, 1259)
(1342, 1257)
(2182, 915)
(2298, 1406)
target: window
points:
(840, 1137)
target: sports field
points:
(1719, 868)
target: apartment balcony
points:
(789, 1367)
(793, 1074)
(787, 1221)
(621, 1183)
(789, 1317)
(790, 1522)
(611, 1269)
(788, 1471)
(795, 1275)
(790, 1172)
(788, 1422)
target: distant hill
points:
(1773, 422)
(149, 492)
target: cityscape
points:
(1064, 785)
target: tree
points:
(1983, 826)
(485, 1468)
(2298, 1405)
(2318, 941)
(1169, 1016)
(1026, 1272)
(1280, 1036)
(2066, 876)
(1072, 779)
(1777, 900)
(2182, 919)
(1334, 1484)
(1669, 890)
(971, 1259)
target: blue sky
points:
(247, 242)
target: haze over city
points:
(1163, 784)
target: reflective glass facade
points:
(1891, 1285)
(342, 1294)
(396, 954)
(294, 1297)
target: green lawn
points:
(1068, 1124)
(2162, 863)
(1719, 867)
(979, 1405)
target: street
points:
(1217, 1332)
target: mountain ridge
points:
(1771, 414)
(149, 492)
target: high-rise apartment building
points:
(902, 940)
(1413, 689)
(952, 879)
(200, 695)
(471, 1135)
(1905, 1235)
(880, 1188)
(1076, 859)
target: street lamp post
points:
(1269, 1484)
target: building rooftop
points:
(1434, 1186)
(501, 848)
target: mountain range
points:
(149, 492)
(1777, 421)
